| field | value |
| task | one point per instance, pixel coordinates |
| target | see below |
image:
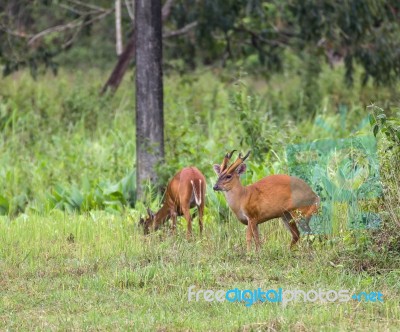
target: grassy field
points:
(72, 256)
(98, 272)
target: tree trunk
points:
(149, 92)
(118, 29)
(123, 63)
(128, 54)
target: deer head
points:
(148, 222)
(228, 176)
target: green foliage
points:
(390, 126)
(111, 197)
(256, 34)
(38, 34)
(387, 129)
(345, 29)
(79, 106)
(253, 120)
(312, 97)
(250, 34)
(46, 141)
(59, 139)
(65, 153)
(58, 169)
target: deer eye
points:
(229, 176)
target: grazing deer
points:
(274, 196)
(186, 190)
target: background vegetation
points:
(67, 154)
(72, 255)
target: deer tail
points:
(197, 195)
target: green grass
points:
(62, 147)
(97, 271)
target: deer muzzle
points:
(217, 188)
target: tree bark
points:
(122, 65)
(128, 54)
(149, 92)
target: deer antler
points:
(237, 162)
(225, 162)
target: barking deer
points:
(185, 190)
(271, 197)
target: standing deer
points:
(271, 197)
(186, 190)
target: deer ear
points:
(217, 168)
(241, 169)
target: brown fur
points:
(180, 197)
(274, 196)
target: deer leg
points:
(291, 226)
(295, 234)
(188, 217)
(248, 237)
(201, 210)
(256, 235)
(173, 218)
(252, 233)
(305, 225)
(307, 213)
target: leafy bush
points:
(387, 129)
(111, 197)
(59, 139)
(390, 126)
(256, 124)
